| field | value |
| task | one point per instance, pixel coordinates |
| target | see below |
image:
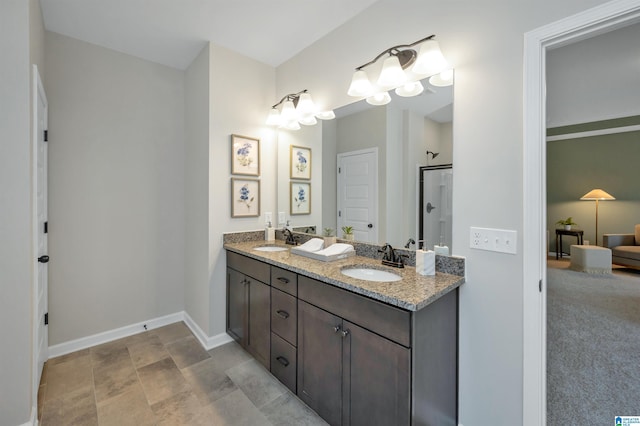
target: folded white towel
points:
(338, 248)
(312, 245)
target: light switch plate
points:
(499, 240)
(281, 219)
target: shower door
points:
(435, 205)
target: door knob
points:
(430, 207)
(43, 259)
(370, 225)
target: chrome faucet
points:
(291, 240)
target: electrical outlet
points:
(281, 219)
(499, 240)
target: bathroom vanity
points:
(358, 352)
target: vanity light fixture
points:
(295, 109)
(402, 70)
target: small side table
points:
(578, 233)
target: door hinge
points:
(339, 213)
(46, 318)
(540, 286)
(46, 136)
(339, 169)
(46, 227)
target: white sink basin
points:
(370, 274)
(270, 248)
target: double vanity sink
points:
(359, 342)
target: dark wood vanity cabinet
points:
(346, 373)
(353, 359)
(248, 305)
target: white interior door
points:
(40, 226)
(358, 194)
(436, 205)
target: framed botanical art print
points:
(245, 197)
(245, 156)
(300, 162)
(300, 198)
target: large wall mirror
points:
(365, 168)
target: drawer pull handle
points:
(282, 360)
(283, 314)
(283, 280)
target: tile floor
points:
(165, 377)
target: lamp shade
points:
(381, 98)
(413, 88)
(326, 115)
(308, 120)
(430, 60)
(597, 194)
(444, 79)
(288, 111)
(273, 119)
(392, 74)
(360, 85)
(305, 105)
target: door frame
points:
(340, 179)
(591, 22)
(37, 91)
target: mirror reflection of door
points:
(357, 194)
(435, 205)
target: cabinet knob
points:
(283, 314)
(282, 360)
(336, 328)
(344, 333)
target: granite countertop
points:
(413, 292)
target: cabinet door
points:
(236, 305)
(320, 362)
(376, 379)
(259, 326)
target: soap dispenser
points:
(441, 249)
(425, 260)
(270, 233)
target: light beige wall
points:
(116, 167)
(309, 137)
(16, 254)
(329, 174)
(484, 42)
(241, 92)
(196, 190)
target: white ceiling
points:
(172, 32)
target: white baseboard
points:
(206, 341)
(129, 330)
(108, 336)
(33, 420)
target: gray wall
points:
(576, 166)
(116, 166)
(484, 42)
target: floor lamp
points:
(597, 195)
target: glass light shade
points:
(430, 60)
(360, 85)
(381, 98)
(412, 88)
(445, 78)
(288, 111)
(392, 74)
(305, 105)
(291, 125)
(273, 119)
(326, 115)
(308, 120)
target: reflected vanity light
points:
(295, 109)
(402, 70)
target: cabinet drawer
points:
(385, 320)
(283, 361)
(251, 267)
(286, 281)
(284, 315)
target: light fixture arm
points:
(395, 50)
(290, 97)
